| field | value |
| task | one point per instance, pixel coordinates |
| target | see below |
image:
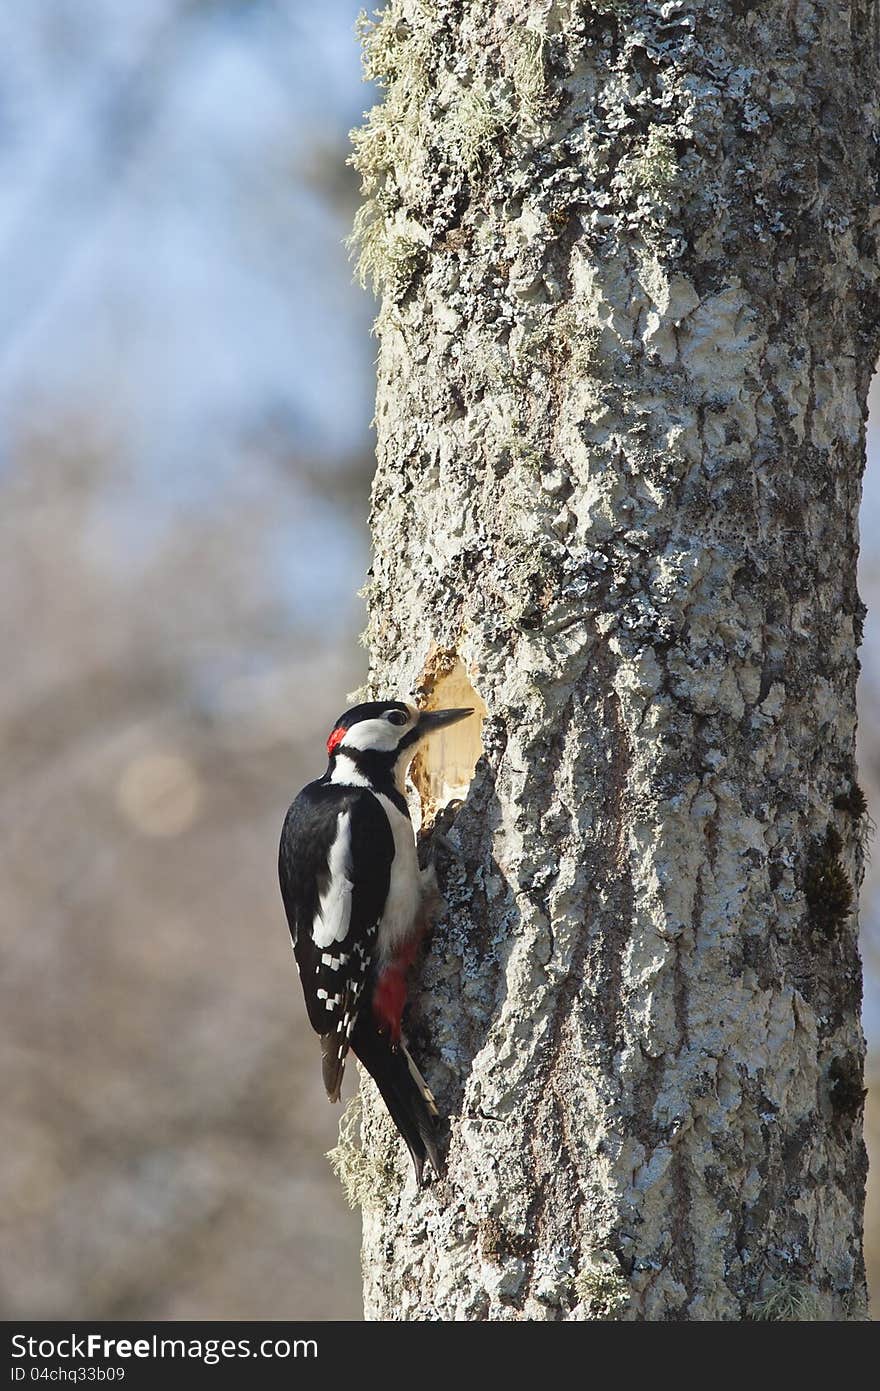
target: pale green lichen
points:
(369, 240)
(472, 123)
(526, 50)
(514, 447)
(655, 170)
(414, 127)
(395, 58)
(585, 346)
(531, 459)
(364, 1177)
(788, 1302)
(565, 338)
(855, 1307)
(539, 343)
(605, 1292)
(357, 697)
(391, 254)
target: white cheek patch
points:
(334, 909)
(374, 734)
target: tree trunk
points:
(628, 268)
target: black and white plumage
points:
(356, 903)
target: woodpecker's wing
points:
(335, 868)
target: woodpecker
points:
(357, 904)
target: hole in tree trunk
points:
(444, 765)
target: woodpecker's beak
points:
(429, 720)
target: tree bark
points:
(627, 257)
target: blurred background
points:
(186, 386)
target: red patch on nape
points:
(336, 738)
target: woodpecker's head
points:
(372, 742)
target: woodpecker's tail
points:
(332, 1064)
(403, 1090)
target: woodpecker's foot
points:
(433, 838)
(444, 848)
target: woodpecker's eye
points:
(396, 717)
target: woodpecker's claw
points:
(441, 841)
(432, 905)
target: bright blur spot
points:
(159, 793)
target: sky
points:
(172, 262)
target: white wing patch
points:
(334, 909)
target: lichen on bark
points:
(627, 257)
